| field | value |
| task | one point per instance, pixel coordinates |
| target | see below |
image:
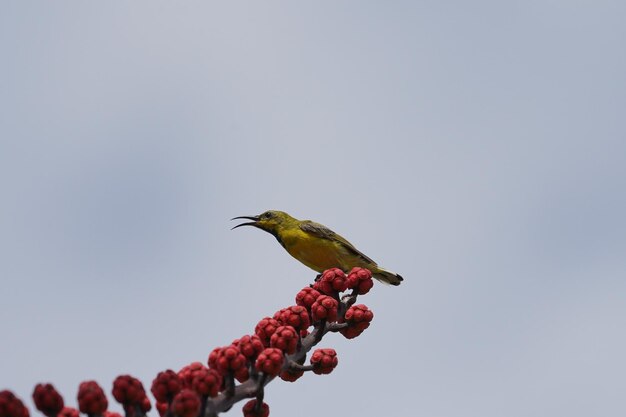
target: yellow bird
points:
(315, 245)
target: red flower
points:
(47, 400)
(324, 361)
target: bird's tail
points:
(387, 277)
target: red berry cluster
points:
(291, 375)
(249, 346)
(145, 405)
(324, 361)
(249, 409)
(11, 406)
(194, 378)
(324, 308)
(229, 359)
(47, 400)
(360, 280)
(358, 318)
(166, 385)
(265, 329)
(207, 382)
(186, 404)
(286, 339)
(162, 408)
(278, 347)
(295, 316)
(129, 392)
(188, 372)
(306, 297)
(68, 412)
(331, 282)
(91, 398)
(270, 361)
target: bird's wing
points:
(324, 232)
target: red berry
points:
(228, 359)
(91, 398)
(358, 318)
(290, 375)
(331, 282)
(111, 414)
(212, 361)
(306, 297)
(294, 316)
(11, 406)
(325, 307)
(324, 361)
(186, 404)
(68, 412)
(265, 329)
(207, 382)
(162, 408)
(187, 373)
(250, 346)
(145, 405)
(360, 279)
(242, 374)
(249, 409)
(270, 361)
(128, 390)
(286, 339)
(166, 385)
(47, 400)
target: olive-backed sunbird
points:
(315, 245)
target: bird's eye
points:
(268, 215)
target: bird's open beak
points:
(252, 223)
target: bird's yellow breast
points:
(315, 252)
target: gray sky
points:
(477, 148)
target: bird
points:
(315, 245)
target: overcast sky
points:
(477, 148)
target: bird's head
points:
(270, 221)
